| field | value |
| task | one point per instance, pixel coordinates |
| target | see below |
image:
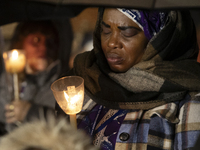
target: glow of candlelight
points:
(15, 63)
(73, 104)
(14, 55)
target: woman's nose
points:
(114, 41)
(41, 45)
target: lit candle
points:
(69, 93)
(14, 63)
(74, 102)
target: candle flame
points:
(73, 103)
(66, 96)
(73, 99)
(14, 55)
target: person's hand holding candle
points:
(16, 111)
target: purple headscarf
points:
(151, 22)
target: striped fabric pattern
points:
(174, 126)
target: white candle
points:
(69, 94)
(73, 121)
(73, 105)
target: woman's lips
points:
(114, 59)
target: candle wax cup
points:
(69, 94)
(15, 65)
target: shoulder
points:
(84, 55)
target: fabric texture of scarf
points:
(167, 72)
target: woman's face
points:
(122, 40)
(35, 48)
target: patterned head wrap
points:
(151, 22)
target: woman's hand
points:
(16, 111)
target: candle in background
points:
(15, 61)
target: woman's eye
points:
(106, 30)
(129, 32)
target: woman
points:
(43, 46)
(142, 79)
(40, 41)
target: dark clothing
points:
(154, 105)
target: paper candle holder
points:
(69, 93)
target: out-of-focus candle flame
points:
(15, 61)
(14, 55)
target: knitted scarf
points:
(167, 72)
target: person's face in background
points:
(35, 49)
(122, 40)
